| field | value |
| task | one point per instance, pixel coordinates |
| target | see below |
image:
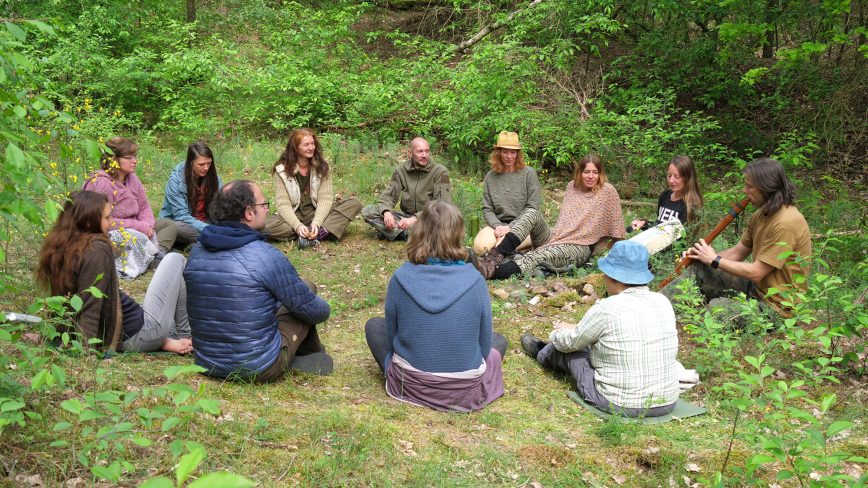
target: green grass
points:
(343, 430)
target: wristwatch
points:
(716, 263)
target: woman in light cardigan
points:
(306, 207)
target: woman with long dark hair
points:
(306, 206)
(436, 345)
(590, 214)
(77, 255)
(189, 191)
(134, 231)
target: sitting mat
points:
(682, 410)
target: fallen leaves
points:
(407, 448)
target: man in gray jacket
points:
(414, 183)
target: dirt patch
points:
(547, 456)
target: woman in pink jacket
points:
(141, 238)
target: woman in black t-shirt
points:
(682, 201)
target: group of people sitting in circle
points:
(240, 306)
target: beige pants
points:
(486, 241)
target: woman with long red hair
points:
(306, 206)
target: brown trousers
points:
(297, 339)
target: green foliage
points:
(791, 425)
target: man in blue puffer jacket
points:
(251, 316)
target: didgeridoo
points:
(734, 211)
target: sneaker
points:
(531, 345)
(155, 263)
(306, 243)
(316, 363)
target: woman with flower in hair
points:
(134, 231)
(78, 255)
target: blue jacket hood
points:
(228, 235)
(435, 288)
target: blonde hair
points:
(438, 234)
(497, 163)
(580, 166)
(692, 193)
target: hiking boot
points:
(531, 345)
(315, 363)
(306, 243)
(489, 262)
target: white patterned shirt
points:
(633, 344)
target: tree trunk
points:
(769, 44)
(191, 10)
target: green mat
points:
(682, 410)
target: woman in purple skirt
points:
(436, 346)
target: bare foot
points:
(178, 346)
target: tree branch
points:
(488, 29)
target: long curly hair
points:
(289, 157)
(692, 192)
(200, 149)
(78, 225)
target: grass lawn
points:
(343, 430)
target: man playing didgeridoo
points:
(777, 227)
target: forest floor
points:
(343, 430)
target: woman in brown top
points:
(77, 256)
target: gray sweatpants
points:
(165, 307)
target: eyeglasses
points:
(263, 204)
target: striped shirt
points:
(633, 344)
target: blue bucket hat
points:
(627, 262)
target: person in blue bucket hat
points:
(622, 354)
